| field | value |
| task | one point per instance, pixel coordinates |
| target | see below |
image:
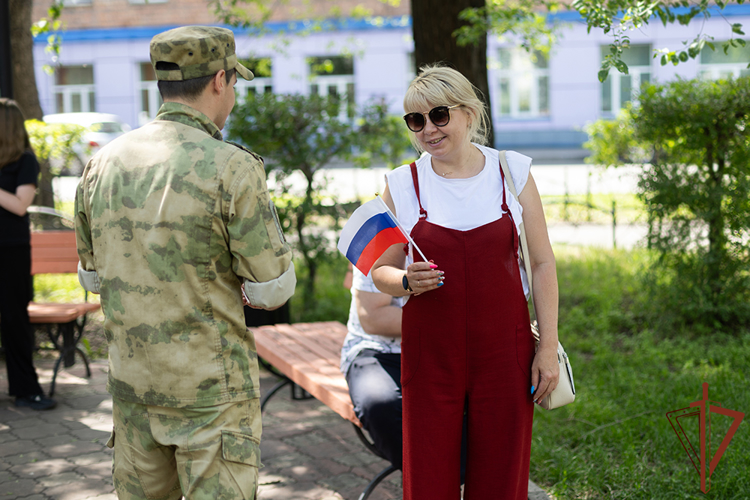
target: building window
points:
(334, 76)
(523, 84)
(150, 96)
(74, 89)
(715, 64)
(260, 84)
(74, 3)
(619, 89)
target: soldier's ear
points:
(219, 81)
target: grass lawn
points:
(615, 440)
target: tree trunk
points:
(433, 25)
(22, 55)
(24, 85)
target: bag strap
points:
(521, 230)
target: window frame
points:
(513, 76)
(67, 92)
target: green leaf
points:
(603, 74)
(737, 28)
(621, 66)
(683, 56)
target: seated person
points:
(371, 362)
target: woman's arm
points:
(545, 371)
(19, 202)
(376, 313)
(388, 271)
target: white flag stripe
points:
(358, 218)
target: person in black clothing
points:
(18, 177)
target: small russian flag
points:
(370, 231)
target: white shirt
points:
(357, 339)
(460, 204)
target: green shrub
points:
(696, 189)
(303, 134)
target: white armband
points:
(89, 280)
(274, 293)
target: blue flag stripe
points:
(366, 233)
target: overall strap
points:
(506, 209)
(415, 179)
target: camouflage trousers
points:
(207, 453)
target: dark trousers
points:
(374, 380)
(17, 335)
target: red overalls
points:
(467, 346)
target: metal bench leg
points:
(376, 481)
(54, 376)
(273, 391)
(85, 361)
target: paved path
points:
(309, 452)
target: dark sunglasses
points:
(439, 116)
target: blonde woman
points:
(18, 173)
(466, 342)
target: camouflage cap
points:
(197, 51)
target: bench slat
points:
(58, 313)
(309, 340)
(284, 347)
(330, 335)
(53, 252)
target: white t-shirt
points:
(357, 339)
(461, 204)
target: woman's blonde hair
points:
(438, 85)
(14, 140)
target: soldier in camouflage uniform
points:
(171, 222)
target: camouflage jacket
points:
(170, 220)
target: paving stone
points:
(92, 458)
(40, 431)
(31, 420)
(7, 476)
(65, 478)
(102, 470)
(20, 488)
(89, 434)
(273, 447)
(18, 447)
(330, 467)
(344, 481)
(42, 468)
(362, 458)
(83, 490)
(268, 479)
(92, 402)
(68, 446)
(27, 458)
(285, 461)
(6, 436)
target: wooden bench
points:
(54, 252)
(306, 356)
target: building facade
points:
(540, 104)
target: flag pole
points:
(401, 228)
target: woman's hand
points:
(424, 276)
(545, 373)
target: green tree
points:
(618, 18)
(53, 145)
(696, 189)
(301, 135)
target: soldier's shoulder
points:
(255, 156)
